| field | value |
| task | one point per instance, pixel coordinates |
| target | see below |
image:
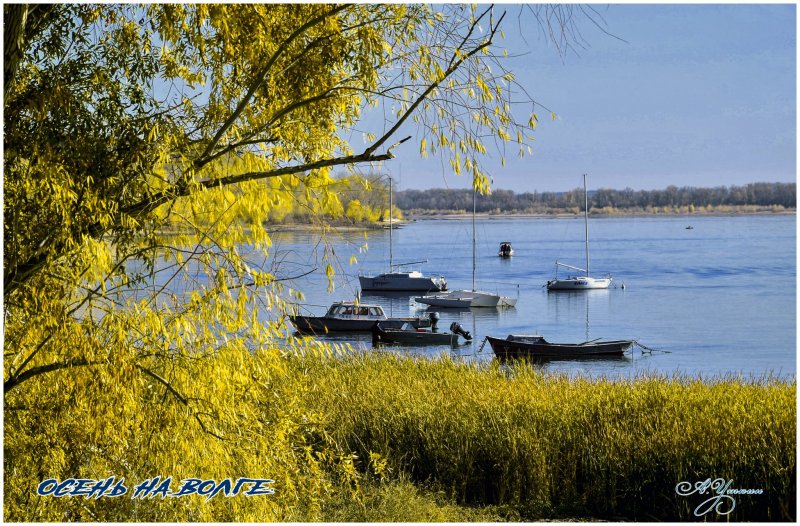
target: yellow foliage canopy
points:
(125, 346)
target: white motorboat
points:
(461, 299)
(505, 250)
(580, 282)
(397, 280)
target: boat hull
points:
(580, 283)
(462, 299)
(413, 337)
(323, 324)
(505, 348)
(401, 282)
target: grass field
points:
(379, 437)
(547, 446)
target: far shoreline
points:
(445, 216)
(461, 216)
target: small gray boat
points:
(408, 335)
(536, 347)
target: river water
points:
(719, 297)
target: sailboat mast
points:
(586, 221)
(390, 226)
(474, 257)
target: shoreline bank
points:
(570, 215)
(458, 216)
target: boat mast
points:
(390, 225)
(586, 221)
(473, 239)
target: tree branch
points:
(20, 25)
(14, 381)
(160, 198)
(182, 399)
(454, 65)
(259, 80)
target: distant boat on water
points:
(505, 250)
(580, 282)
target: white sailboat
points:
(397, 280)
(580, 282)
(468, 298)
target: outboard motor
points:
(434, 317)
(456, 328)
(376, 333)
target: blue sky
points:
(697, 95)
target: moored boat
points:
(579, 282)
(505, 250)
(355, 317)
(397, 281)
(462, 299)
(408, 335)
(536, 347)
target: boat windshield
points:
(355, 310)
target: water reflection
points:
(394, 303)
(567, 307)
(545, 360)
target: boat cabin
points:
(349, 310)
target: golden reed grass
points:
(553, 446)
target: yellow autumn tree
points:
(139, 339)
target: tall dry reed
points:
(553, 446)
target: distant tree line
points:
(774, 195)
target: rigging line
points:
(650, 349)
(564, 236)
